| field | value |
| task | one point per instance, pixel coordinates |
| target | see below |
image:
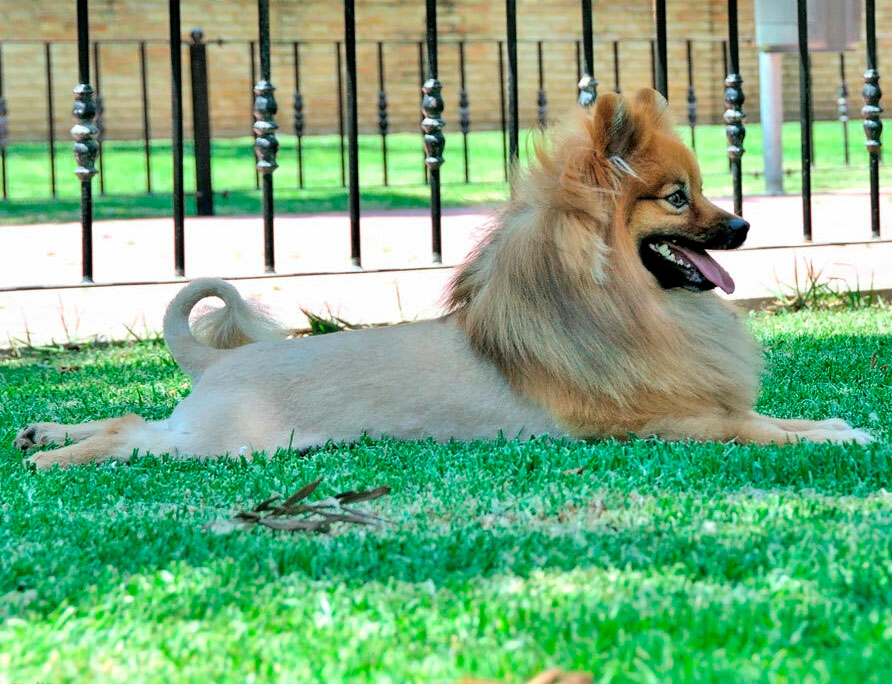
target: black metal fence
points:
(88, 131)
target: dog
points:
(587, 312)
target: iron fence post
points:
(383, 123)
(513, 121)
(805, 116)
(298, 108)
(464, 110)
(176, 115)
(692, 96)
(873, 126)
(352, 131)
(4, 133)
(616, 85)
(541, 98)
(842, 104)
(734, 115)
(99, 120)
(84, 134)
(339, 69)
(201, 124)
(432, 126)
(661, 67)
(503, 118)
(588, 86)
(50, 114)
(146, 127)
(265, 127)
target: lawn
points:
(640, 561)
(233, 172)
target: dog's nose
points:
(738, 226)
(735, 231)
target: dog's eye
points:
(677, 199)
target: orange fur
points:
(559, 299)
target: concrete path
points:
(135, 251)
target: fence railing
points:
(89, 130)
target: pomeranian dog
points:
(586, 313)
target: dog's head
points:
(626, 167)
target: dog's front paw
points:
(835, 424)
(858, 436)
(47, 459)
(846, 436)
(36, 434)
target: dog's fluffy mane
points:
(558, 298)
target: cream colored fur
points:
(556, 328)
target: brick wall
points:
(401, 23)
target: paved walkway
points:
(142, 250)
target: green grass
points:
(660, 562)
(233, 171)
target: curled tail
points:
(238, 323)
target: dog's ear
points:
(614, 131)
(651, 103)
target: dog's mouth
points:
(687, 265)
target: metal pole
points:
(588, 86)
(513, 122)
(201, 125)
(804, 116)
(50, 119)
(873, 126)
(84, 133)
(352, 130)
(265, 127)
(432, 126)
(4, 133)
(734, 115)
(383, 123)
(616, 86)
(146, 132)
(176, 115)
(842, 104)
(464, 112)
(298, 107)
(253, 60)
(502, 115)
(99, 121)
(541, 99)
(661, 65)
(692, 96)
(339, 78)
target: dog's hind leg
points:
(41, 434)
(117, 438)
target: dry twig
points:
(297, 514)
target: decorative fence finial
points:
(873, 126)
(265, 144)
(588, 90)
(734, 116)
(432, 125)
(84, 132)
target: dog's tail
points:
(238, 323)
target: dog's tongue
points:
(709, 267)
